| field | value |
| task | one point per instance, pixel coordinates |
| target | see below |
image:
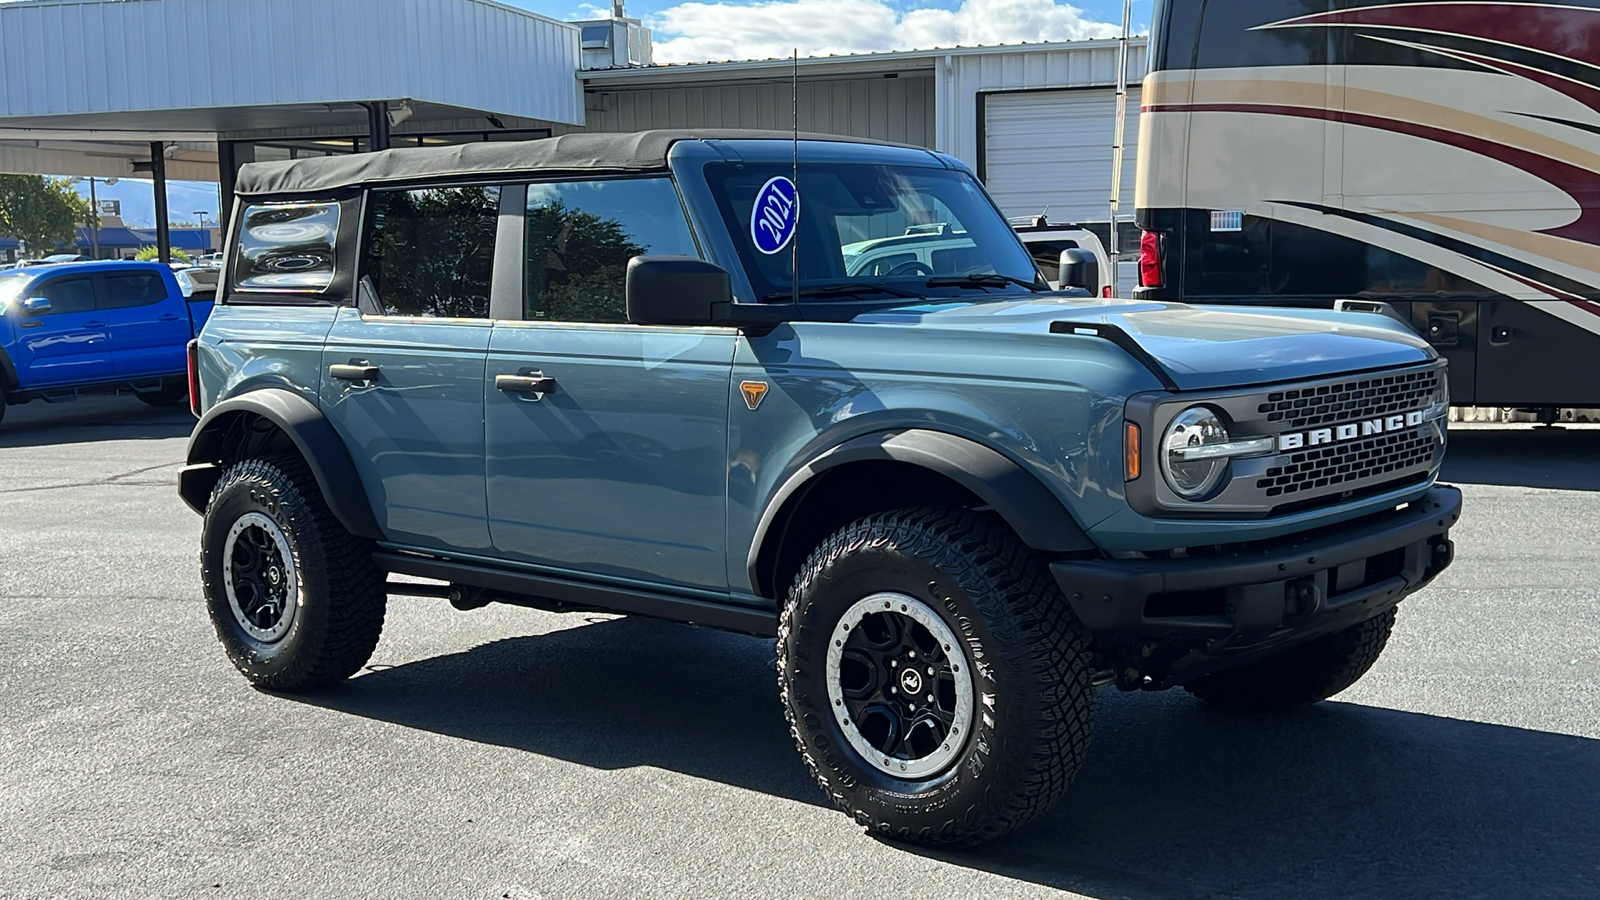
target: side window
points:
(580, 236)
(286, 247)
(67, 295)
(1047, 256)
(430, 252)
(129, 289)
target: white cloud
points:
(697, 31)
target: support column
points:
(158, 173)
(377, 125)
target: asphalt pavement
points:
(508, 753)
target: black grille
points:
(1366, 398)
(1336, 464)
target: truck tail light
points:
(194, 377)
(1130, 451)
(1150, 261)
(1105, 291)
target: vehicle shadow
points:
(89, 419)
(1562, 459)
(1176, 800)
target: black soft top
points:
(619, 153)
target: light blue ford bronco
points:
(582, 374)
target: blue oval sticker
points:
(776, 212)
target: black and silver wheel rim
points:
(259, 576)
(900, 686)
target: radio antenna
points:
(794, 174)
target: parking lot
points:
(508, 753)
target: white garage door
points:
(1053, 148)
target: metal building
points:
(1034, 120)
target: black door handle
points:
(525, 383)
(169, 317)
(94, 324)
(30, 324)
(354, 372)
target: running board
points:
(561, 592)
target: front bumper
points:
(1184, 617)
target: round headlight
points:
(1193, 476)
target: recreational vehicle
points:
(1437, 160)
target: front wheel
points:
(934, 678)
(296, 600)
(1302, 675)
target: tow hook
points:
(1301, 596)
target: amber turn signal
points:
(1130, 451)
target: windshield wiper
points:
(980, 280)
(838, 290)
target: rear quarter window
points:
(286, 247)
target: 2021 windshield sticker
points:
(774, 216)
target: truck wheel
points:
(1299, 676)
(167, 395)
(296, 600)
(933, 676)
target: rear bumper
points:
(1193, 615)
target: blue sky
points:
(698, 30)
(138, 196)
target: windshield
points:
(11, 285)
(895, 229)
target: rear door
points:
(403, 371)
(149, 325)
(619, 468)
(68, 343)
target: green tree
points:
(41, 212)
(433, 253)
(151, 254)
(577, 265)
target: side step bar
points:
(544, 591)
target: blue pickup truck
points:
(96, 326)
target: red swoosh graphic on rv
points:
(1568, 32)
(1574, 180)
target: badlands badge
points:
(753, 392)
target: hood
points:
(1201, 347)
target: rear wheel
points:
(934, 677)
(296, 600)
(1302, 675)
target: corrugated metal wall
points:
(964, 76)
(889, 109)
(62, 58)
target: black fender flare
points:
(313, 435)
(1038, 517)
(8, 373)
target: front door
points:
(607, 442)
(403, 373)
(67, 342)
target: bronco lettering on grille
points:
(1350, 431)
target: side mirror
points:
(675, 290)
(1079, 270)
(35, 306)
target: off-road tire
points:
(342, 595)
(167, 395)
(1033, 684)
(1299, 676)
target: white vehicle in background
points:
(1046, 241)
